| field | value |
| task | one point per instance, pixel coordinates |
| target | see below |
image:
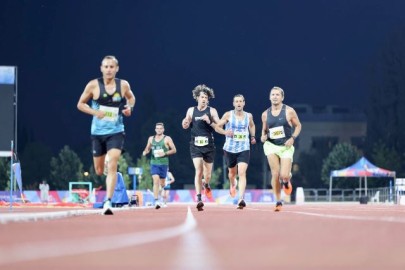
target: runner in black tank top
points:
(278, 124)
(202, 149)
(279, 120)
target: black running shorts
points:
(232, 159)
(102, 143)
(206, 152)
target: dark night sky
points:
(320, 52)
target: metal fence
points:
(374, 195)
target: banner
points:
(8, 109)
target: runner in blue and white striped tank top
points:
(240, 127)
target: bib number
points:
(111, 113)
(276, 133)
(158, 153)
(200, 141)
(239, 136)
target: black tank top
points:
(278, 121)
(199, 127)
(113, 100)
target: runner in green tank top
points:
(162, 146)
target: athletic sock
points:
(198, 197)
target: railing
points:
(375, 195)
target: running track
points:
(309, 236)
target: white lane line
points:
(52, 249)
(194, 253)
(29, 217)
(391, 219)
(347, 217)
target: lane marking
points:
(391, 219)
(30, 217)
(51, 249)
(194, 253)
(348, 217)
(27, 217)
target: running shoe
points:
(200, 206)
(278, 207)
(157, 205)
(287, 187)
(232, 189)
(208, 191)
(241, 204)
(107, 208)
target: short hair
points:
(278, 88)
(110, 57)
(239, 95)
(203, 88)
(160, 124)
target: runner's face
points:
(275, 97)
(109, 68)
(239, 103)
(202, 99)
(159, 130)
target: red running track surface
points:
(309, 236)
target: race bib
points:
(200, 141)
(158, 153)
(239, 136)
(111, 113)
(276, 132)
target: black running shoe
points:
(278, 207)
(200, 206)
(241, 204)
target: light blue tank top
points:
(240, 140)
(113, 105)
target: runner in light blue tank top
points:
(111, 100)
(238, 126)
(112, 104)
(240, 140)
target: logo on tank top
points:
(116, 97)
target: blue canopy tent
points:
(362, 168)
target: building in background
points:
(328, 125)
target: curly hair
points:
(203, 88)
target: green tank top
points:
(159, 147)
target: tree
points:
(385, 110)
(4, 173)
(35, 164)
(309, 174)
(341, 156)
(66, 168)
(124, 162)
(387, 158)
(145, 181)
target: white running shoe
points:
(107, 208)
